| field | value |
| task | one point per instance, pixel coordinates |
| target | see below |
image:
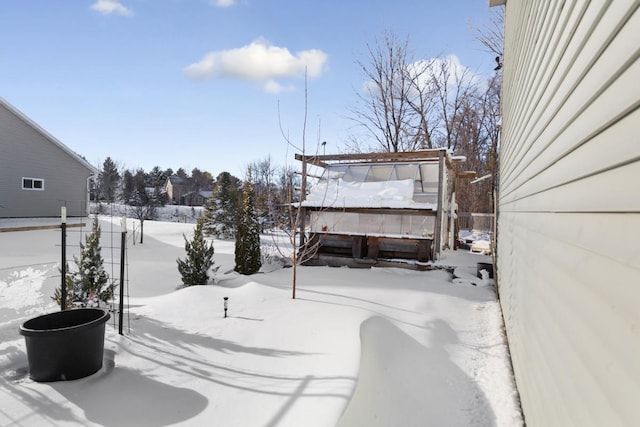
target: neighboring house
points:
(195, 198)
(176, 187)
(568, 256)
(379, 208)
(38, 173)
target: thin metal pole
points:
(437, 233)
(63, 269)
(123, 243)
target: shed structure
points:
(379, 208)
(569, 209)
(38, 173)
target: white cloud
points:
(447, 71)
(223, 3)
(107, 7)
(272, 86)
(258, 61)
(448, 68)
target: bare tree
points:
(491, 34)
(301, 248)
(145, 202)
(491, 37)
(410, 104)
(452, 85)
(422, 101)
(435, 103)
(264, 172)
(477, 133)
(296, 218)
(385, 110)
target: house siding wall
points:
(26, 152)
(569, 209)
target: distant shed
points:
(379, 208)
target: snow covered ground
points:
(358, 347)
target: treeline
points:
(117, 184)
(272, 187)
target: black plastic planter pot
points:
(65, 345)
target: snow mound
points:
(393, 366)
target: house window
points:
(33, 184)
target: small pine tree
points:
(90, 284)
(247, 254)
(195, 267)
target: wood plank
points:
(374, 157)
(375, 211)
(39, 227)
(358, 246)
(373, 247)
(424, 251)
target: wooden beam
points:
(377, 211)
(437, 232)
(402, 156)
(312, 160)
(466, 174)
(308, 175)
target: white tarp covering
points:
(337, 193)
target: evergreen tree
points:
(221, 210)
(194, 268)
(128, 187)
(109, 178)
(90, 285)
(247, 254)
(181, 173)
(201, 180)
(155, 178)
(154, 183)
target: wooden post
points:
(358, 246)
(373, 247)
(303, 193)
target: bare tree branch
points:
(491, 35)
(385, 110)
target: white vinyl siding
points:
(569, 209)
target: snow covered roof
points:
(402, 180)
(176, 180)
(204, 193)
(338, 193)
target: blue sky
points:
(199, 83)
